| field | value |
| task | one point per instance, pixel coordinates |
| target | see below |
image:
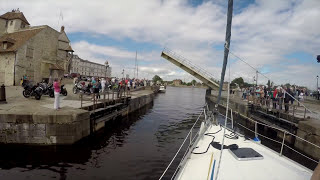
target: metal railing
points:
(280, 102)
(191, 142)
(282, 143)
(188, 63)
(116, 94)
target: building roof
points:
(69, 49)
(14, 15)
(82, 60)
(18, 38)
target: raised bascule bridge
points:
(193, 69)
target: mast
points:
(137, 64)
(226, 48)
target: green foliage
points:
(157, 78)
(238, 81)
(193, 82)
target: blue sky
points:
(280, 38)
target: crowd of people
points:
(100, 85)
(275, 97)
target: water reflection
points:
(139, 146)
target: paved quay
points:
(31, 121)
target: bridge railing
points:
(190, 65)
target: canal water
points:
(139, 146)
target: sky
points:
(279, 38)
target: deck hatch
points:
(245, 154)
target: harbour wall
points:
(66, 126)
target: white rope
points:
(225, 126)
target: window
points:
(6, 24)
(29, 52)
(11, 22)
(22, 25)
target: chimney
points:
(62, 29)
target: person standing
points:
(280, 98)
(287, 99)
(56, 86)
(98, 88)
(274, 96)
(103, 85)
(94, 85)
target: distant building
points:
(88, 68)
(225, 86)
(38, 52)
(177, 82)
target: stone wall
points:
(310, 131)
(41, 128)
(7, 68)
(16, 23)
(240, 108)
(37, 54)
(139, 102)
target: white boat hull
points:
(205, 166)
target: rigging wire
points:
(265, 77)
(225, 126)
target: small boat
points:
(162, 89)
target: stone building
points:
(85, 68)
(38, 52)
(177, 82)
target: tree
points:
(194, 82)
(238, 81)
(156, 78)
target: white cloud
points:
(262, 33)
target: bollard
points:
(3, 94)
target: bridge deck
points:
(192, 69)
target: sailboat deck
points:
(272, 166)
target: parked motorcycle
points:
(32, 90)
(46, 89)
(77, 88)
(63, 90)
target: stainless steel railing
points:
(282, 143)
(191, 142)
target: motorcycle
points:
(77, 88)
(46, 89)
(32, 90)
(63, 90)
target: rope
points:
(210, 166)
